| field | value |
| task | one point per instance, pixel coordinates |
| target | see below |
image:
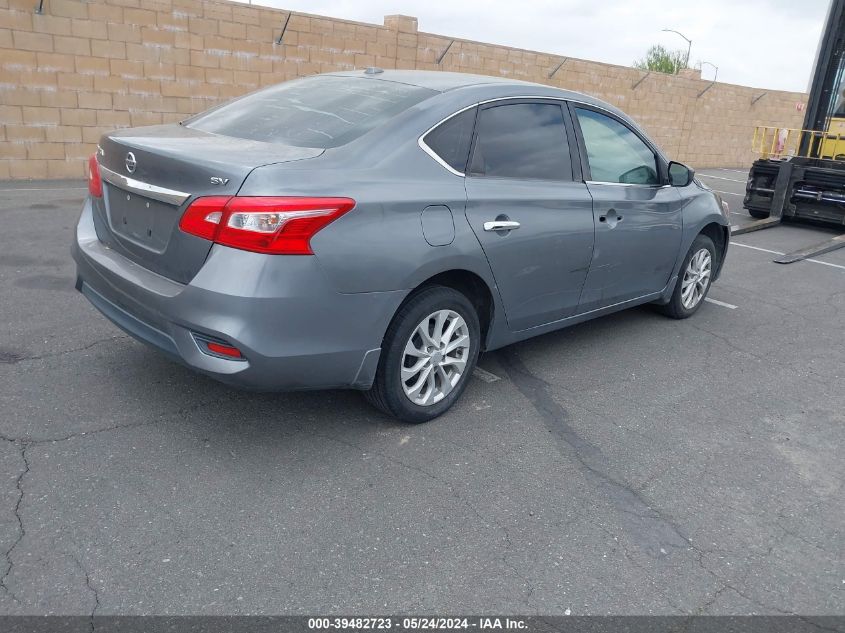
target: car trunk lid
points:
(150, 175)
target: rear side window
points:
(522, 140)
(614, 152)
(451, 139)
(320, 112)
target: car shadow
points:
(213, 408)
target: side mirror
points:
(680, 175)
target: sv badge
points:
(217, 180)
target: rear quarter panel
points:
(379, 245)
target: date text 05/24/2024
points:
(416, 623)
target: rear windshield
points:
(318, 112)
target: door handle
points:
(612, 215)
(501, 225)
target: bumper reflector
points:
(225, 350)
(217, 348)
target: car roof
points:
(438, 80)
(442, 81)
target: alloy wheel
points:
(696, 278)
(435, 357)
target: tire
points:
(388, 392)
(755, 213)
(680, 306)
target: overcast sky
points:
(760, 43)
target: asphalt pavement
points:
(629, 465)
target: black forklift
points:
(801, 173)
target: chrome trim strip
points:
(432, 153)
(170, 196)
(625, 184)
(424, 146)
(442, 162)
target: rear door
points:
(532, 217)
(637, 215)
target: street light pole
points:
(689, 44)
(715, 67)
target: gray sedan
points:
(377, 230)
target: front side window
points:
(614, 152)
(523, 140)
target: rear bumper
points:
(293, 329)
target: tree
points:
(662, 60)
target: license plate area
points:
(141, 220)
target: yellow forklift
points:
(801, 172)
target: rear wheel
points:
(428, 355)
(755, 213)
(694, 280)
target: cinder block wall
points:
(81, 68)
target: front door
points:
(637, 216)
(534, 222)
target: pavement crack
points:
(21, 529)
(21, 359)
(159, 419)
(712, 599)
(91, 588)
(735, 586)
(485, 520)
(796, 535)
(750, 599)
(732, 345)
(651, 529)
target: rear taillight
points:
(95, 183)
(203, 216)
(280, 226)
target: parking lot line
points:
(720, 178)
(483, 374)
(757, 248)
(766, 250)
(818, 261)
(729, 306)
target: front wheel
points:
(695, 279)
(428, 355)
